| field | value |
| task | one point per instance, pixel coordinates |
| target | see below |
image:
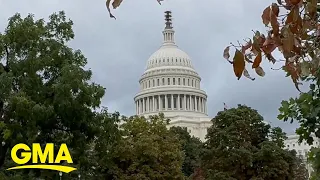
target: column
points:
(200, 102)
(159, 102)
(136, 107)
(153, 104)
(190, 105)
(172, 102)
(178, 103)
(165, 102)
(148, 104)
(196, 102)
(185, 102)
(205, 107)
(142, 105)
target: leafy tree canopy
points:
(240, 145)
(192, 148)
(148, 150)
(46, 94)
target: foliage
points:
(192, 148)
(148, 150)
(45, 93)
(315, 161)
(238, 147)
(293, 30)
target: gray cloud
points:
(117, 51)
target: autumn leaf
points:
(257, 60)
(247, 75)
(266, 16)
(269, 45)
(226, 54)
(260, 71)
(108, 7)
(288, 41)
(295, 2)
(247, 46)
(116, 3)
(238, 64)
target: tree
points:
(148, 150)
(238, 147)
(192, 148)
(45, 93)
(315, 162)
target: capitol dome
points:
(171, 85)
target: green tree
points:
(46, 94)
(238, 147)
(148, 150)
(315, 162)
(192, 148)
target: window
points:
(149, 83)
(188, 82)
(158, 82)
(192, 83)
(162, 81)
(178, 81)
(168, 81)
(153, 84)
(184, 81)
(174, 81)
(288, 145)
(293, 145)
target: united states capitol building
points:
(172, 86)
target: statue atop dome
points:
(168, 19)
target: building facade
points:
(302, 149)
(170, 85)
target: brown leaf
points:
(226, 54)
(312, 8)
(257, 60)
(269, 45)
(260, 71)
(288, 40)
(295, 2)
(275, 9)
(116, 4)
(238, 63)
(247, 75)
(247, 46)
(266, 15)
(108, 7)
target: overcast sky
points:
(117, 50)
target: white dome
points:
(170, 84)
(169, 56)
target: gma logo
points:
(36, 154)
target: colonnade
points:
(165, 102)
